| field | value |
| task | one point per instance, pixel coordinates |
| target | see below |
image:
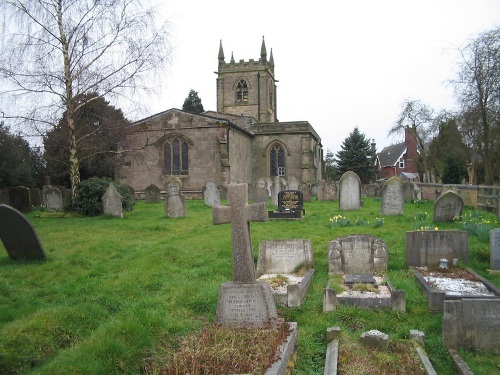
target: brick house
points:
(243, 140)
(400, 159)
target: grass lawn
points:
(114, 293)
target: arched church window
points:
(242, 91)
(175, 153)
(277, 160)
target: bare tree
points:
(56, 50)
(418, 117)
(478, 89)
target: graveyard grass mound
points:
(218, 349)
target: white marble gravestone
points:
(349, 191)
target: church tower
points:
(247, 88)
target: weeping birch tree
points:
(54, 51)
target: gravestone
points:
(19, 236)
(260, 193)
(328, 191)
(448, 206)
(211, 193)
(152, 194)
(349, 191)
(495, 249)
(20, 199)
(306, 191)
(472, 324)
(243, 302)
(112, 202)
(290, 205)
(392, 197)
(175, 206)
(4, 197)
(317, 189)
(52, 199)
(283, 256)
(293, 183)
(427, 247)
(276, 187)
(357, 254)
(35, 197)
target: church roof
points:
(390, 155)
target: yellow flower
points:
(436, 228)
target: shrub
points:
(89, 193)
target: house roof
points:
(390, 155)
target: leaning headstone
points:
(19, 236)
(244, 301)
(175, 205)
(357, 254)
(152, 194)
(349, 191)
(211, 193)
(112, 202)
(260, 193)
(472, 324)
(392, 197)
(328, 191)
(52, 199)
(495, 249)
(284, 256)
(427, 247)
(448, 206)
(20, 199)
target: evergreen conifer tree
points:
(356, 155)
(192, 104)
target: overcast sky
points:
(340, 64)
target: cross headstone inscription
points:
(349, 191)
(392, 197)
(244, 301)
(448, 206)
(19, 236)
(152, 194)
(112, 202)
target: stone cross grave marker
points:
(448, 206)
(495, 249)
(239, 213)
(112, 202)
(19, 236)
(349, 191)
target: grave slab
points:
(19, 236)
(428, 247)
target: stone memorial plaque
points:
(495, 249)
(357, 254)
(283, 256)
(428, 247)
(392, 197)
(448, 206)
(349, 191)
(19, 236)
(290, 200)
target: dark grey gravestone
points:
(52, 199)
(112, 202)
(448, 206)
(349, 191)
(427, 247)
(283, 256)
(472, 324)
(329, 191)
(244, 301)
(211, 193)
(357, 254)
(35, 197)
(152, 194)
(392, 197)
(20, 199)
(4, 197)
(260, 193)
(19, 236)
(175, 206)
(495, 249)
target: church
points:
(242, 141)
